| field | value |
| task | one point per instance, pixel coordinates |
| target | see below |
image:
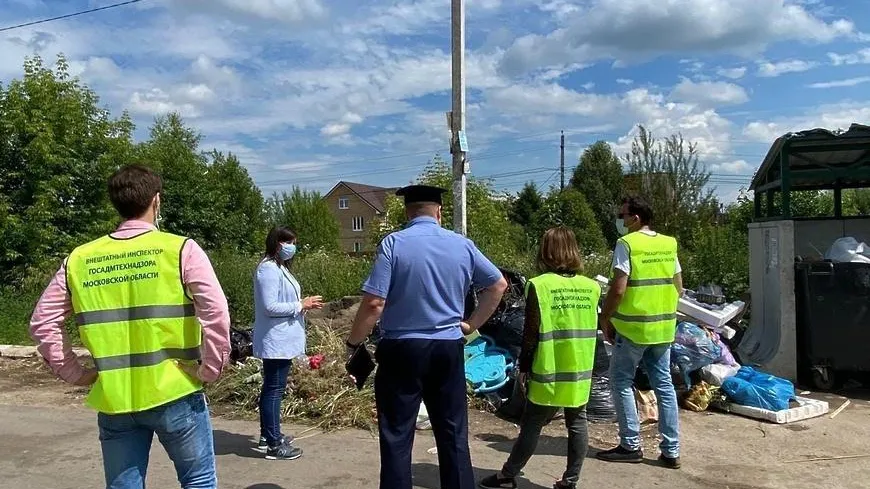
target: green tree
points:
(670, 176)
(569, 208)
(856, 202)
(57, 148)
(308, 215)
(238, 205)
(599, 178)
(207, 196)
(488, 223)
(526, 205)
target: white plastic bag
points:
(848, 249)
(716, 373)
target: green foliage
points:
(569, 208)
(669, 175)
(856, 202)
(526, 206)
(308, 215)
(208, 197)
(57, 148)
(488, 223)
(599, 178)
(721, 256)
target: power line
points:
(67, 16)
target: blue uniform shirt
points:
(424, 273)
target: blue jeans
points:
(657, 363)
(275, 373)
(183, 428)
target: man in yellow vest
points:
(153, 316)
(640, 318)
(558, 353)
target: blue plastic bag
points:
(693, 348)
(758, 389)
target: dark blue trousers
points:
(432, 371)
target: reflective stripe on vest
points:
(647, 314)
(135, 319)
(562, 370)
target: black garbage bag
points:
(241, 344)
(600, 408)
(506, 329)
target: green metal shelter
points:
(816, 159)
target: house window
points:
(358, 223)
(357, 247)
(343, 203)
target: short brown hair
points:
(559, 251)
(132, 189)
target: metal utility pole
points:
(459, 144)
(562, 162)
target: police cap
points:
(420, 193)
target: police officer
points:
(640, 317)
(417, 287)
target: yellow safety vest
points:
(647, 314)
(562, 370)
(136, 319)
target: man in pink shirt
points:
(152, 314)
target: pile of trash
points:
(318, 391)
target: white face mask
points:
(620, 226)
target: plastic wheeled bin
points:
(832, 308)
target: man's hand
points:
(466, 328)
(190, 368)
(313, 302)
(608, 329)
(88, 378)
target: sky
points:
(310, 92)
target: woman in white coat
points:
(279, 335)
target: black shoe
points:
(283, 452)
(496, 482)
(284, 440)
(621, 455)
(669, 462)
(564, 485)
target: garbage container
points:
(833, 320)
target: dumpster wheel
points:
(824, 378)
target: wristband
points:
(349, 345)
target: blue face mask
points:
(287, 251)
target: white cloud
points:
(737, 167)
(624, 81)
(856, 58)
(638, 29)
(834, 116)
(849, 82)
(284, 11)
(732, 73)
(549, 99)
(330, 130)
(157, 102)
(709, 93)
(771, 70)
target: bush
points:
(332, 275)
(721, 256)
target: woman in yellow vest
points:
(557, 356)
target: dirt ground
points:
(47, 439)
